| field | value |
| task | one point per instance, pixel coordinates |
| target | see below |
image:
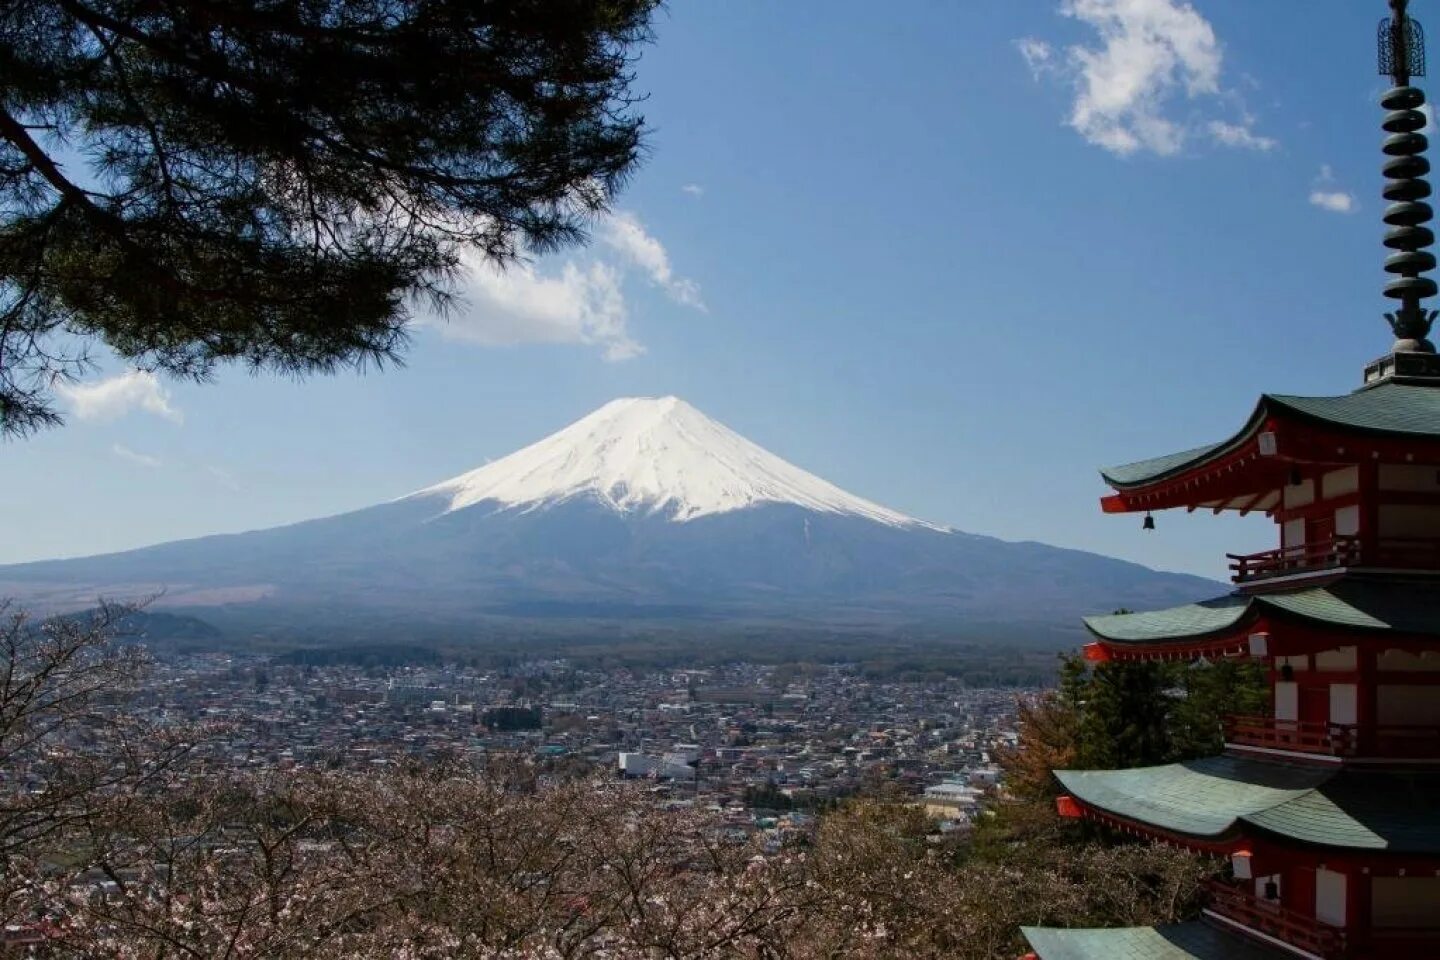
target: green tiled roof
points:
(1176, 623)
(1363, 810)
(1202, 798)
(1356, 602)
(1349, 809)
(1392, 408)
(1132, 473)
(1408, 606)
(1388, 408)
(1181, 941)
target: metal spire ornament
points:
(1401, 44)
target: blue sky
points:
(949, 256)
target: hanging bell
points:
(1149, 523)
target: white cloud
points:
(1038, 54)
(143, 459)
(1324, 195)
(575, 302)
(1336, 201)
(625, 233)
(520, 304)
(1429, 110)
(694, 189)
(1150, 54)
(116, 396)
(1240, 135)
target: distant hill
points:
(645, 513)
(150, 625)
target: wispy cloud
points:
(626, 234)
(1325, 195)
(116, 396)
(1150, 54)
(575, 302)
(694, 189)
(143, 459)
(1240, 135)
(1038, 54)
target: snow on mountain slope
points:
(653, 455)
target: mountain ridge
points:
(644, 509)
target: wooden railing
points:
(1335, 739)
(1339, 551)
(1322, 555)
(1268, 917)
(1329, 739)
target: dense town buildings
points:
(743, 735)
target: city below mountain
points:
(644, 514)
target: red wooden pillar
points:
(1357, 909)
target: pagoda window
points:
(1409, 478)
(1403, 661)
(1300, 494)
(1287, 700)
(1343, 703)
(1399, 705)
(1340, 483)
(1298, 663)
(1347, 521)
(1409, 521)
(1405, 902)
(1330, 896)
(1341, 659)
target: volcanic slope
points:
(646, 510)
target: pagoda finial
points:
(1401, 44)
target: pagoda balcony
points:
(1336, 553)
(1268, 917)
(1324, 739)
(1343, 740)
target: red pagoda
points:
(1327, 807)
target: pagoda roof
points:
(1396, 410)
(1180, 941)
(1215, 798)
(1192, 621)
(1401, 606)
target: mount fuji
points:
(645, 511)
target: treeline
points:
(919, 661)
(365, 655)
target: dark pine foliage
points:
(512, 718)
(1128, 714)
(278, 182)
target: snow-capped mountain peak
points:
(652, 455)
